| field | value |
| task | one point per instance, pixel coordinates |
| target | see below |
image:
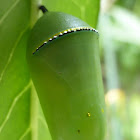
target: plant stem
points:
(34, 11)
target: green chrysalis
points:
(63, 57)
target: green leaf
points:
(20, 113)
(86, 10)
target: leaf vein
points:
(43, 121)
(25, 133)
(13, 105)
(8, 11)
(11, 54)
(34, 113)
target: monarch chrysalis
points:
(63, 57)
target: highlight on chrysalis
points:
(63, 58)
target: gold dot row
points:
(63, 33)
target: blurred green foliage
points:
(119, 29)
